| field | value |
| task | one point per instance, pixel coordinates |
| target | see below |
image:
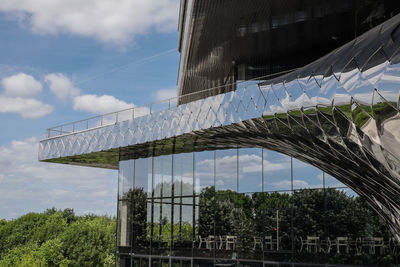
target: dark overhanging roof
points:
(267, 37)
(353, 55)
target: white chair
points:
(393, 246)
(202, 240)
(377, 242)
(312, 244)
(328, 245)
(302, 243)
(359, 246)
(210, 242)
(342, 242)
(230, 242)
(221, 242)
(257, 241)
(268, 242)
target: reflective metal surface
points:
(340, 114)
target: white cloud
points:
(99, 104)
(165, 94)
(21, 85)
(26, 107)
(25, 182)
(115, 21)
(61, 86)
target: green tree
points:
(57, 238)
(51, 253)
(88, 242)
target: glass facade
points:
(242, 207)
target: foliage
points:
(328, 213)
(57, 238)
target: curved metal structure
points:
(339, 113)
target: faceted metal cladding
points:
(340, 114)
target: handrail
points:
(101, 120)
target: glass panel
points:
(124, 261)
(204, 170)
(183, 203)
(196, 221)
(306, 175)
(124, 220)
(143, 175)
(135, 262)
(309, 219)
(125, 211)
(206, 212)
(155, 262)
(187, 218)
(204, 245)
(125, 177)
(330, 181)
(144, 262)
(162, 175)
(183, 226)
(250, 170)
(349, 192)
(272, 225)
(226, 177)
(309, 225)
(183, 174)
(142, 206)
(251, 264)
(353, 224)
(202, 263)
(277, 171)
(225, 238)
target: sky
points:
(67, 60)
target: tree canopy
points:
(58, 238)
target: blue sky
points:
(53, 55)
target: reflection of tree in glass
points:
(323, 213)
(269, 206)
(135, 199)
(206, 211)
(226, 213)
(333, 213)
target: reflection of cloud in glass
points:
(296, 184)
(250, 163)
(331, 181)
(250, 167)
(219, 182)
(185, 177)
(125, 176)
(338, 184)
(268, 167)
